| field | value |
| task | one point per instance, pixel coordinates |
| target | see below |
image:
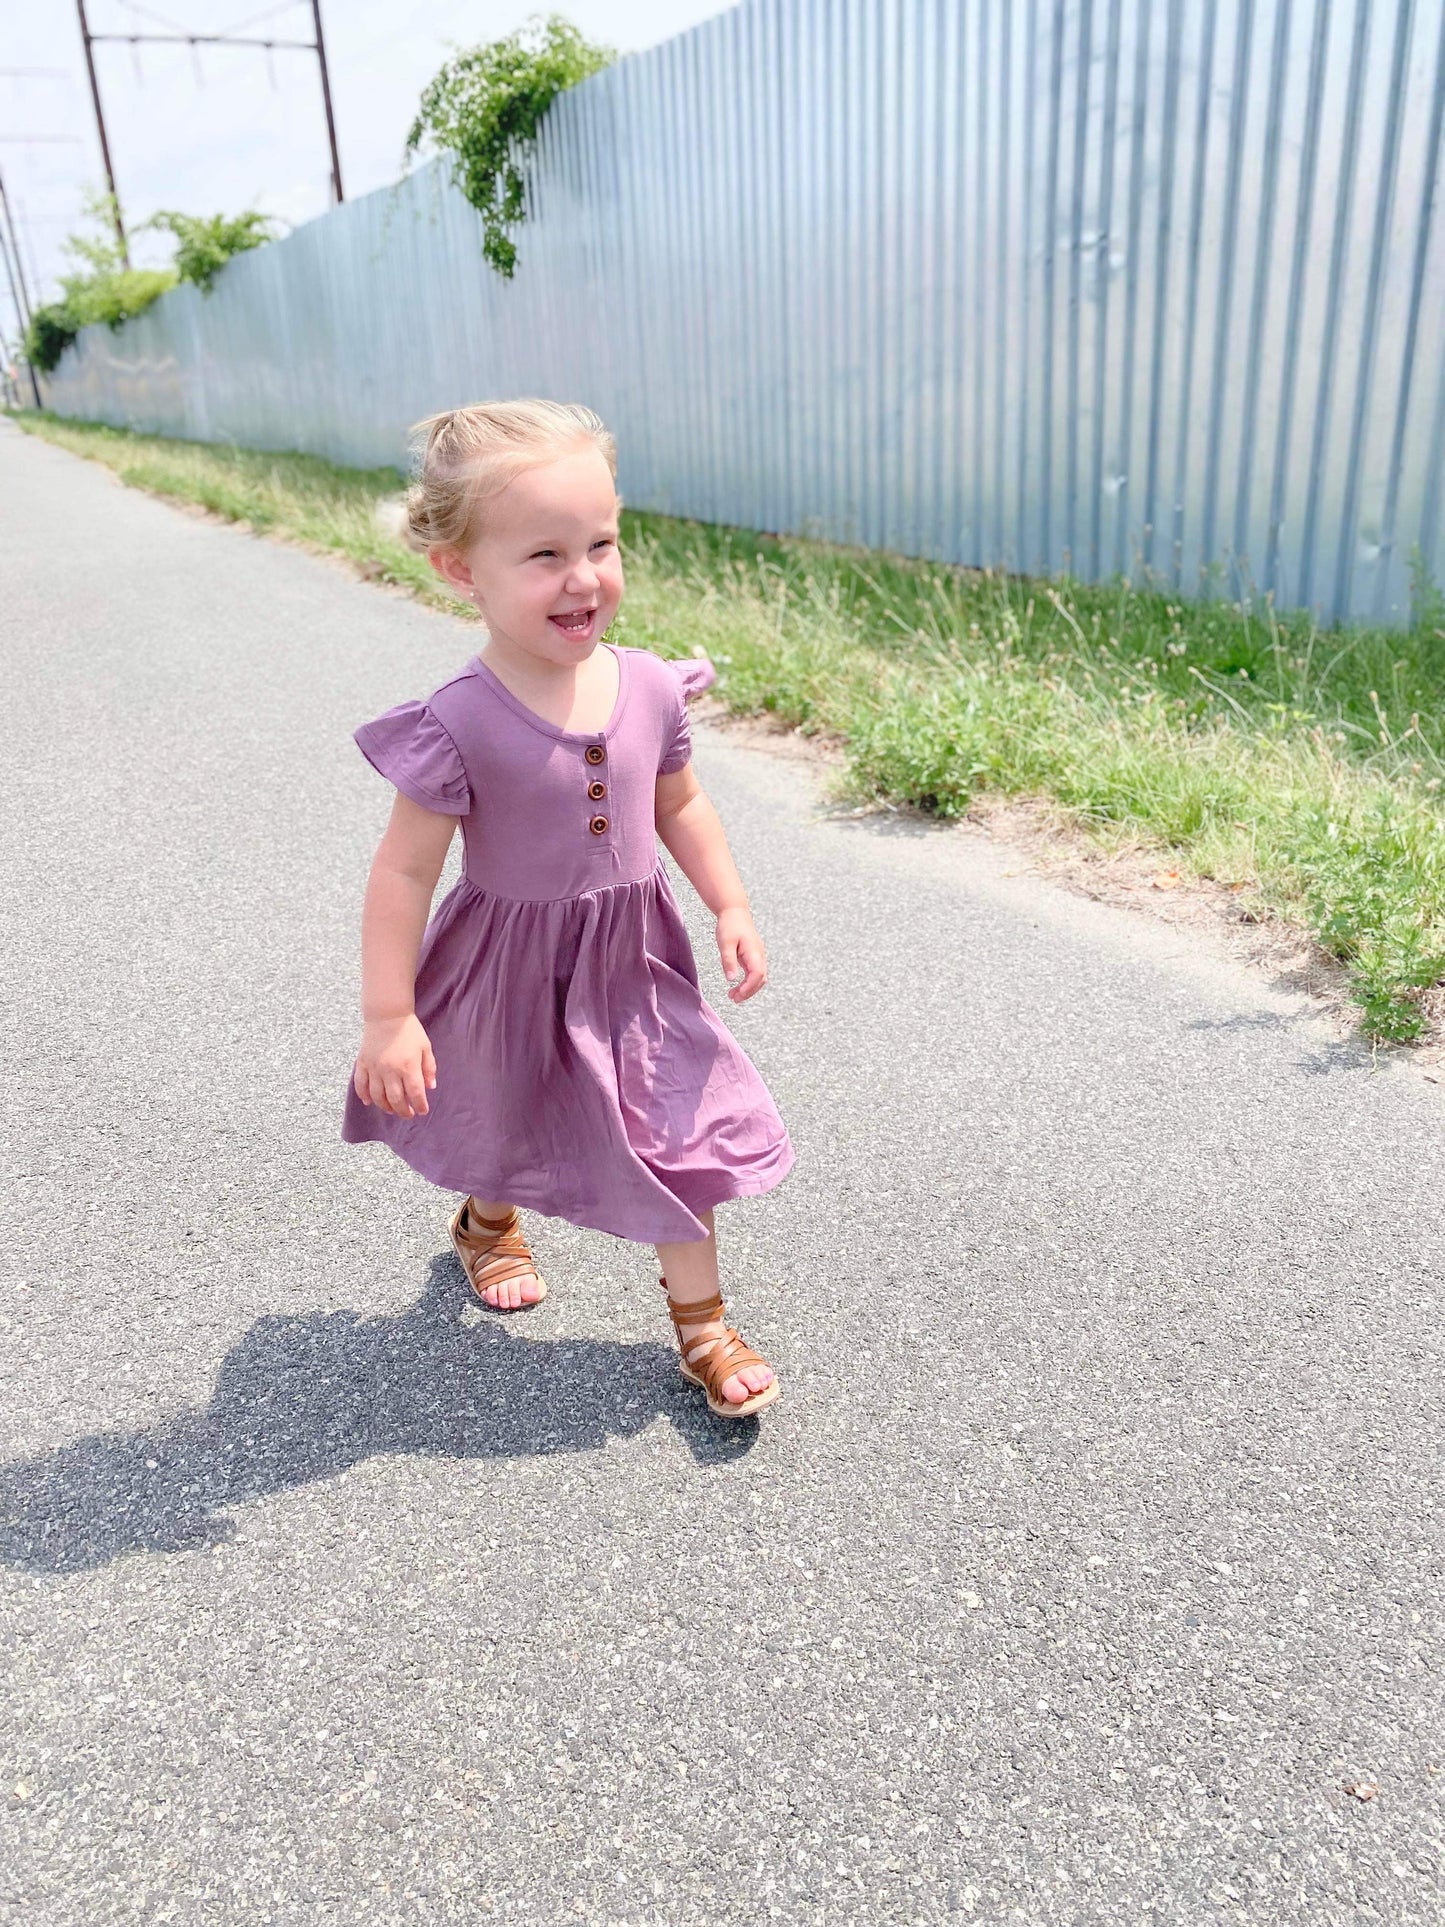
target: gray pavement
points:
(1092, 1553)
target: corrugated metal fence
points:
(1100, 285)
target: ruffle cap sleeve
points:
(414, 751)
(693, 674)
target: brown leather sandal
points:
(728, 1355)
(493, 1251)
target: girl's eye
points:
(604, 543)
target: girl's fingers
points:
(728, 951)
(402, 1092)
(755, 963)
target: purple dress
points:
(580, 1072)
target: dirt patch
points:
(1229, 918)
(766, 732)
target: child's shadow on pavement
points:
(307, 1397)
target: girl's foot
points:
(500, 1268)
(737, 1380)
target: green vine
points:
(484, 108)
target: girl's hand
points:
(744, 961)
(395, 1067)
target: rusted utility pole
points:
(87, 36)
(326, 100)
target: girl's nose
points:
(582, 579)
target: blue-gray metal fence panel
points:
(1141, 286)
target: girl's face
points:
(546, 573)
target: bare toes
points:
(510, 1294)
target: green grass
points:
(1258, 749)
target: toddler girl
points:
(542, 1040)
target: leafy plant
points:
(484, 108)
(206, 242)
(50, 333)
(114, 298)
(102, 288)
(1372, 877)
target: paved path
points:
(1092, 1552)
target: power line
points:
(146, 14)
(200, 40)
(9, 221)
(22, 307)
(25, 222)
(270, 13)
(182, 37)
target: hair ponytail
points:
(463, 455)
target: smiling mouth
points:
(576, 622)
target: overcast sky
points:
(217, 130)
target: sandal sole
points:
(528, 1304)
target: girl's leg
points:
(691, 1273)
(524, 1289)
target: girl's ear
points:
(452, 568)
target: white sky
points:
(223, 129)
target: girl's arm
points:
(395, 1067)
(692, 832)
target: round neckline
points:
(551, 729)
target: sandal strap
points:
(730, 1354)
(503, 1256)
(723, 1354)
(700, 1311)
(514, 1216)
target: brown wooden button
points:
(597, 791)
(598, 826)
(595, 752)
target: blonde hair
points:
(464, 455)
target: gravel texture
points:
(1088, 1570)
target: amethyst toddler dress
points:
(580, 1072)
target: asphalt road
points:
(1092, 1553)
